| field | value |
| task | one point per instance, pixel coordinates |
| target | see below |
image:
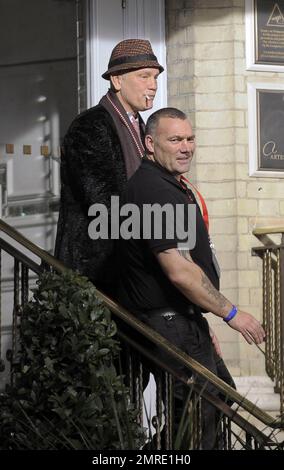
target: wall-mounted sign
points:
(265, 35)
(266, 129)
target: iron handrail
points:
(264, 248)
(219, 404)
(152, 335)
(261, 233)
(272, 255)
(36, 250)
(36, 268)
(266, 230)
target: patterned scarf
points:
(132, 146)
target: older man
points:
(102, 149)
(167, 286)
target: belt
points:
(169, 313)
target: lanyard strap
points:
(201, 199)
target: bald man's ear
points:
(116, 82)
(149, 142)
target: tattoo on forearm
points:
(208, 286)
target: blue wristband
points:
(232, 314)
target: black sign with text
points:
(270, 130)
(269, 31)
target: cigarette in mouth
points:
(147, 99)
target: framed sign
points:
(265, 35)
(266, 129)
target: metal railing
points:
(272, 256)
(232, 430)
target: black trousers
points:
(190, 333)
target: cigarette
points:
(147, 99)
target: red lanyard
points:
(201, 199)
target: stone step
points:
(260, 391)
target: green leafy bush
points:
(66, 391)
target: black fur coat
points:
(92, 169)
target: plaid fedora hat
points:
(131, 54)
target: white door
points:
(111, 21)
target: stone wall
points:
(207, 78)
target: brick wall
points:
(207, 79)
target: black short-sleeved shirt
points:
(142, 283)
